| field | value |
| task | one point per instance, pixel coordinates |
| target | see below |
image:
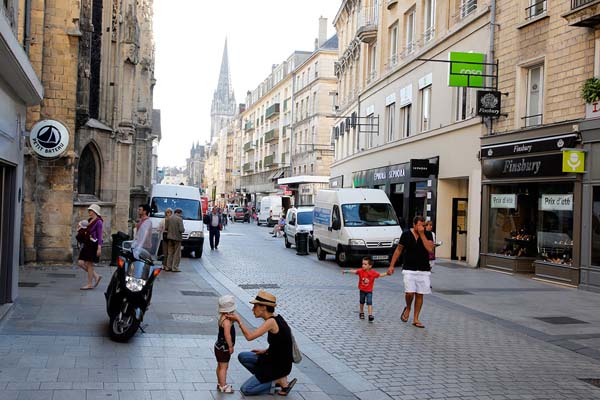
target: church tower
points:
(223, 104)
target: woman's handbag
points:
(296, 353)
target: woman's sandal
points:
(361, 315)
(286, 390)
(225, 389)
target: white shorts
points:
(417, 281)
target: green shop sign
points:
(466, 69)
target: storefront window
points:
(596, 227)
(532, 220)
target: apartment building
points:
(401, 127)
(540, 208)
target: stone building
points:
(96, 61)
(195, 166)
(20, 87)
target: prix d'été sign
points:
(466, 69)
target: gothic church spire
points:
(223, 104)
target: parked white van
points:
(271, 208)
(354, 223)
(188, 199)
(298, 220)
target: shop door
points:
(7, 212)
(459, 229)
(418, 200)
(397, 200)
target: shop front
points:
(411, 187)
(531, 206)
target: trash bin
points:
(117, 240)
(302, 243)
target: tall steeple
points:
(223, 104)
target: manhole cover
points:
(196, 293)
(202, 319)
(560, 320)
(260, 286)
(59, 275)
(452, 292)
(28, 284)
(591, 381)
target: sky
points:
(189, 36)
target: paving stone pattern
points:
(458, 355)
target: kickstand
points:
(142, 328)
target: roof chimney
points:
(322, 30)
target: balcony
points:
(249, 126)
(272, 111)
(584, 13)
(272, 135)
(248, 167)
(249, 146)
(269, 161)
(367, 25)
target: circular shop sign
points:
(49, 138)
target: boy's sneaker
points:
(371, 318)
(361, 315)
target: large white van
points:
(354, 223)
(271, 209)
(188, 199)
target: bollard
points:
(302, 243)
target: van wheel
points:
(257, 222)
(321, 255)
(341, 257)
(287, 244)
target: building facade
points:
(400, 125)
(96, 62)
(195, 166)
(20, 87)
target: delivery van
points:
(354, 223)
(188, 199)
(271, 208)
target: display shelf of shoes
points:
(556, 263)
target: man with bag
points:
(175, 229)
(214, 222)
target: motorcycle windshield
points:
(139, 270)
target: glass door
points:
(458, 250)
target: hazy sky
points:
(189, 37)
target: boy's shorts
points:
(366, 296)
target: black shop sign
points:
(548, 165)
(489, 103)
(525, 147)
(419, 168)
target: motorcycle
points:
(129, 292)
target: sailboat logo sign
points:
(49, 138)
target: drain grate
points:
(452, 292)
(183, 317)
(28, 284)
(260, 286)
(591, 381)
(196, 293)
(560, 320)
(59, 275)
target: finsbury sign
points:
(49, 139)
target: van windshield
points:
(191, 208)
(305, 218)
(364, 214)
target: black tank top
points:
(221, 343)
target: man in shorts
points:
(416, 243)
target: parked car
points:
(298, 220)
(241, 214)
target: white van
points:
(188, 199)
(298, 220)
(271, 209)
(354, 223)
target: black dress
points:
(277, 361)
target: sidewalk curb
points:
(340, 372)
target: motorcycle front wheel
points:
(123, 326)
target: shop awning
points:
(276, 174)
(303, 179)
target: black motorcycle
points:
(129, 292)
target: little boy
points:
(366, 280)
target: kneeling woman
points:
(270, 367)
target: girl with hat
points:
(270, 367)
(90, 253)
(225, 342)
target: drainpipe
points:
(27, 26)
(491, 50)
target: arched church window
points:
(89, 171)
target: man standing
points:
(143, 229)
(214, 222)
(175, 229)
(416, 243)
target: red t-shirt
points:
(366, 279)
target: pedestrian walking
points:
(269, 367)
(143, 230)
(214, 222)
(82, 237)
(92, 246)
(415, 243)
(225, 342)
(366, 281)
(163, 230)
(175, 231)
(429, 228)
